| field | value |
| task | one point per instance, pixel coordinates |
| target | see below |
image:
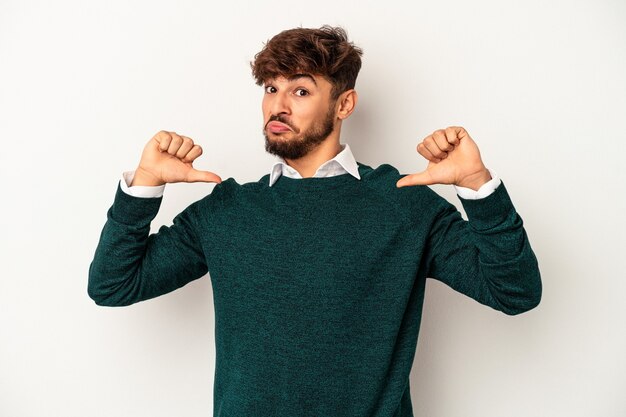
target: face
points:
(298, 114)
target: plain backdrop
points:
(539, 85)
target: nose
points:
(279, 104)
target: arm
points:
(487, 257)
(129, 264)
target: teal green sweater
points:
(318, 283)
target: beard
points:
(303, 142)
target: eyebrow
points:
(298, 76)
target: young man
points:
(318, 268)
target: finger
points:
(458, 132)
(175, 144)
(185, 147)
(202, 176)
(453, 134)
(421, 148)
(440, 144)
(421, 178)
(445, 139)
(431, 145)
(163, 138)
(195, 152)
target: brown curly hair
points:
(325, 51)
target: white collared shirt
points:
(342, 163)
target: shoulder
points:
(229, 191)
(383, 179)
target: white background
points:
(84, 85)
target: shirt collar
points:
(342, 163)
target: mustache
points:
(283, 119)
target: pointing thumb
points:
(421, 178)
(202, 176)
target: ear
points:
(346, 102)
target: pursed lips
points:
(278, 127)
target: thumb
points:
(195, 175)
(421, 178)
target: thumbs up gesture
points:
(168, 158)
(453, 158)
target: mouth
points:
(278, 127)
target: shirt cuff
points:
(486, 189)
(144, 191)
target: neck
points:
(325, 151)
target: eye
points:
(301, 92)
(270, 89)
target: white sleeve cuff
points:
(485, 190)
(143, 191)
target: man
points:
(319, 267)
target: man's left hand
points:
(453, 158)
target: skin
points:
(168, 158)
(303, 102)
(453, 158)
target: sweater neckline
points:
(317, 184)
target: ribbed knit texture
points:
(318, 283)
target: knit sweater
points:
(318, 283)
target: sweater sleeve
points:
(488, 257)
(131, 265)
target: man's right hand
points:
(168, 158)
